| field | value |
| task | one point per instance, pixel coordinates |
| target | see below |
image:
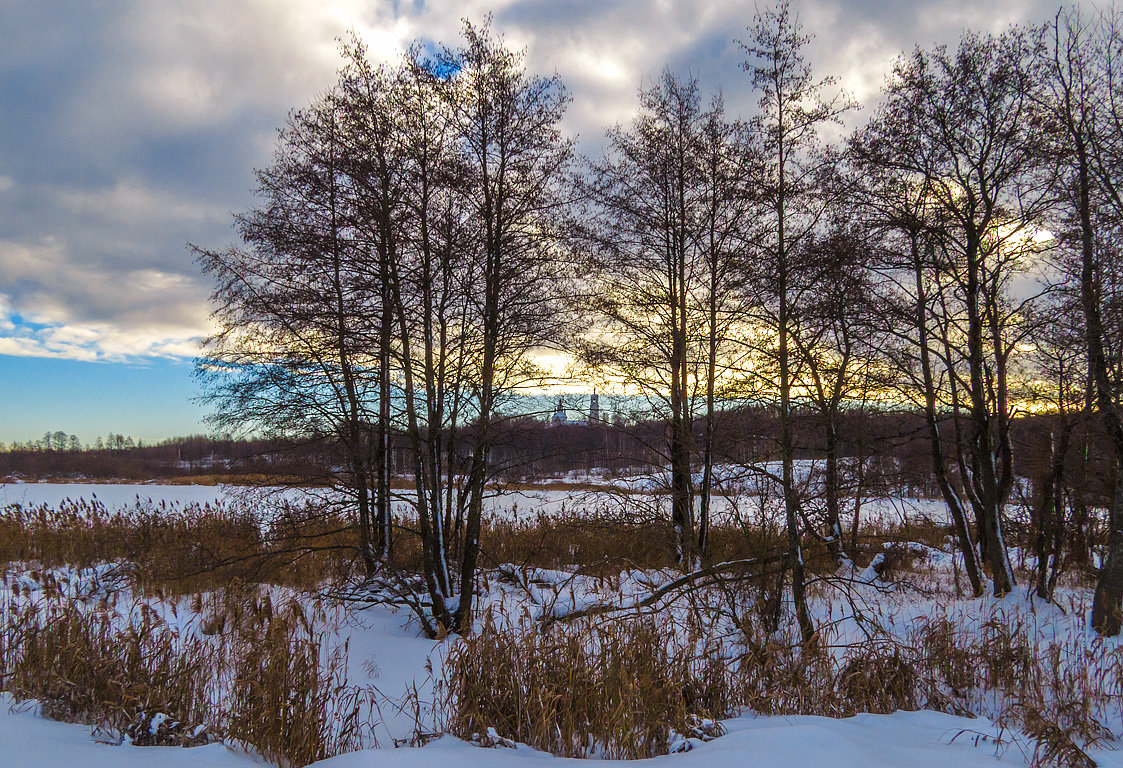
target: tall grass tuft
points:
(633, 688)
(616, 691)
(83, 666)
(268, 680)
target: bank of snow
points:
(30, 741)
(915, 739)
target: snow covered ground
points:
(900, 740)
(30, 741)
(921, 739)
(387, 653)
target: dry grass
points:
(84, 666)
(183, 550)
(261, 675)
(1063, 693)
(202, 547)
(617, 692)
(623, 687)
(289, 698)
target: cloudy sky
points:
(131, 127)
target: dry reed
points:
(264, 676)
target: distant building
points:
(561, 418)
(559, 415)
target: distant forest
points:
(892, 444)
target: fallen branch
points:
(689, 580)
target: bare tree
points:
(837, 341)
(373, 181)
(664, 230)
(792, 111)
(1061, 391)
(1085, 83)
(729, 154)
(962, 126)
(516, 162)
(292, 354)
(396, 280)
(896, 204)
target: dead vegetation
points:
(625, 683)
(249, 668)
(238, 668)
(620, 691)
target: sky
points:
(129, 128)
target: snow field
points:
(385, 652)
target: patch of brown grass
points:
(616, 692)
(263, 677)
(182, 550)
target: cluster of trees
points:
(119, 457)
(402, 266)
(425, 227)
(61, 441)
(51, 441)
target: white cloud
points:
(92, 341)
(145, 118)
(130, 202)
(68, 309)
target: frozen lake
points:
(117, 496)
(121, 496)
(112, 495)
(517, 504)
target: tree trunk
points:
(831, 492)
(787, 443)
(1107, 604)
(939, 465)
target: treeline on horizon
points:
(60, 440)
(63, 457)
(530, 450)
(426, 228)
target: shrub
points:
(614, 691)
(268, 680)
